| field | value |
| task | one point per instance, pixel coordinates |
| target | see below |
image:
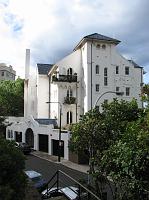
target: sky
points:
(52, 28)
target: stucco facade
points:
(74, 84)
(99, 68)
(7, 72)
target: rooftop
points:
(96, 36)
(44, 68)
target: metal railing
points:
(65, 78)
(56, 182)
(69, 100)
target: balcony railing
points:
(70, 100)
(65, 78)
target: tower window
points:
(103, 46)
(127, 91)
(97, 87)
(126, 70)
(69, 71)
(117, 89)
(117, 70)
(98, 46)
(105, 76)
(97, 69)
(105, 71)
(105, 81)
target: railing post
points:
(57, 180)
(79, 193)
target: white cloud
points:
(51, 28)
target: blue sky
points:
(52, 28)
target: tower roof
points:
(44, 68)
(96, 37)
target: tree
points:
(145, 94)
(127, 161)
(97, 132)
(12, 98)
(12, 177)
(2, 127)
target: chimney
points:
(27, 64)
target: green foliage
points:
(127, 161)
(2, 126)
(115, 140)
(12, 98)
(145, 94)
(12, 178)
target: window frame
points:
(69, 117)
(69, 71)
(117, 89)
(97, 87)
(117, 70)
(97, 69)
(127, 91)
(127, 70)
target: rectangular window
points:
(117, 70)
(117, 89)
(2, 73)
(126, 70)
(105, 71)
(127, 91)
(105, 81)
(97, 87)
(97, 69)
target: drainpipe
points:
(76, 101)
(142, 82)
(91, 75)
(49, 93)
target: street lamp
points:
(99, 97)
(59, 142)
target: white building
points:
(7, 72)
(94, 67)
(92, 70)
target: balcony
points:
(64, 78)
(70, 100)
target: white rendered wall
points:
(59, 89)
(109, 58)
(39, 129)
(43, 96)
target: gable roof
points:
(135, 64)
(96, 36)
(44, 68)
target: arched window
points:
(103, 46)
(69, 71)
(69, 117)
(97, 69)
(69, 92)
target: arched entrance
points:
(29, 137)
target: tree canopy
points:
(118, 143)
(12, 98)
(12, 177)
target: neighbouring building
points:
(7, 72)
(69, 88)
